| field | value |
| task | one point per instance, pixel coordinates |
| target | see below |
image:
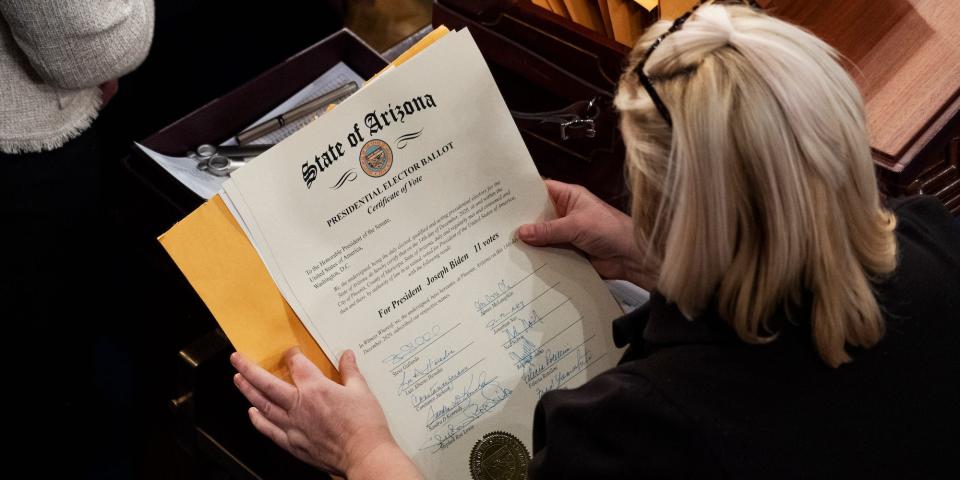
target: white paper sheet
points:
(185, 170)
(394, 237)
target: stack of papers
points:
(387, 226)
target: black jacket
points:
(690, 400)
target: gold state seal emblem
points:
(499, 456)
(376, 158)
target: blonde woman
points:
(798, 328)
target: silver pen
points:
(296, 113)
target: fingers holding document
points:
(337, 428)
(603, 233)
(270, 410)
(274, 389)
(305, 419)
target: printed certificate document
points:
(388, 224)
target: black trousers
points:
(55, 283)
(50, 209)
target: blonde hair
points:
(762, 195)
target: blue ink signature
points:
(551, 357)
(561, 377)
(514, 332)
(407, 350)
(492, 395)
(436, 387)
(477, 382)
(528, 350)
(532, 372)
(494, 322)
(423, 369)
(484, 301)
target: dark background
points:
(201, 50)
(97, 365)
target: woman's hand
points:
(338, 428)
(602, 232)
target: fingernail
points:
(233, 358)
(525, 231)
(291, 353)
(236, 378)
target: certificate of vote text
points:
(389, 225)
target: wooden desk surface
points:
(907, 63)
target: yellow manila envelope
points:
(223, 267)
(221, 264)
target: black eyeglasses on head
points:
(677, 25)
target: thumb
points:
(349, 371)
(300, 367)
(551, 232)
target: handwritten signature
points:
(438, 387)
(407, 350)
(477, 383)
(464, 410)
(561, 377)
(488, 298)
(529, 351)
(514, 332)
(495, 321)
(423, 369)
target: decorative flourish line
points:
(403, 139)
(348, 176)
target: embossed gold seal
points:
(499, 456)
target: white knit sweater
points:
(53, 56)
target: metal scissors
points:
(223, 160)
